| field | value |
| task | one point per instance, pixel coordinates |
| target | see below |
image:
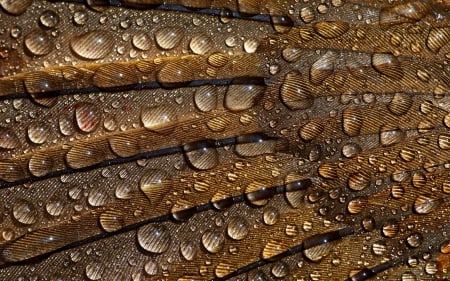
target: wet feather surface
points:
(224, 140)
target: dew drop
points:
(93, 45)
(38, 132)
(54, 207)
(213, 241)
(111, 220)
(169, 37)
(161, 119)
(424, 204)
(40, 164)
(295, 93)
(205, 98)
(49, 19)
(142, 41)
(94, 271)
(87, 116)
(154, 238)
(280, 270)
(8, 139)
(85, 154)
(39, 43)
(202, 155)
(240, 97)
(201, 44)
(188, 250)
(151, 268)
(97, 197)
(270, 216)
(15, 7)
(25, 212)
(238, 228)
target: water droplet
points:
(322, 68)
(88, 116)
(388, 65)
(390, 228)
(25, 212)
(154, 238)
(352, 121)
(93, 45)
(39, 43)
(85, 154)
(251, 45)
(280, 269)
(94, 271)
(390, 135)
(49, 19)
(8, 139)
(307, 14)
(444, 141)
(357, 205)
(16, 7)
(169, 37)
(318, 252)
(291, 54)
(424, 204)
(111, 220)
(151, 268)
(213, 241)
(161, 119)
(414, 240)
(254, 145)
(351, 150)
(205, 98)
(201, 44)
(379, 248)
(271, 216)
(408, 276)
(400, 103)
(358, 181)
(240, 97)
(202, 155)
(38, 132)
(238, 227)
(142, 41)
(80, 17)
(328, 171)
(311, 130)
(437, 38)
(54, 207)
(331, 29)
(295, 93)
(40, 164)
(97, 197)
(153, 184)
(188, 250)
(124, 146)
(115, 75)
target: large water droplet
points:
(238, 227)
(161, 119)
(169, 37)
(202, 155)
(154, 238)
(94, 271)
(243, 96)
(38, 132)
(213, 241)
(39, 43)
(201, 44)
(8, 139)
(111, 220)
(205, 98)
(25, 212)
(93, 45)
(40, 164)
(88, 116)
